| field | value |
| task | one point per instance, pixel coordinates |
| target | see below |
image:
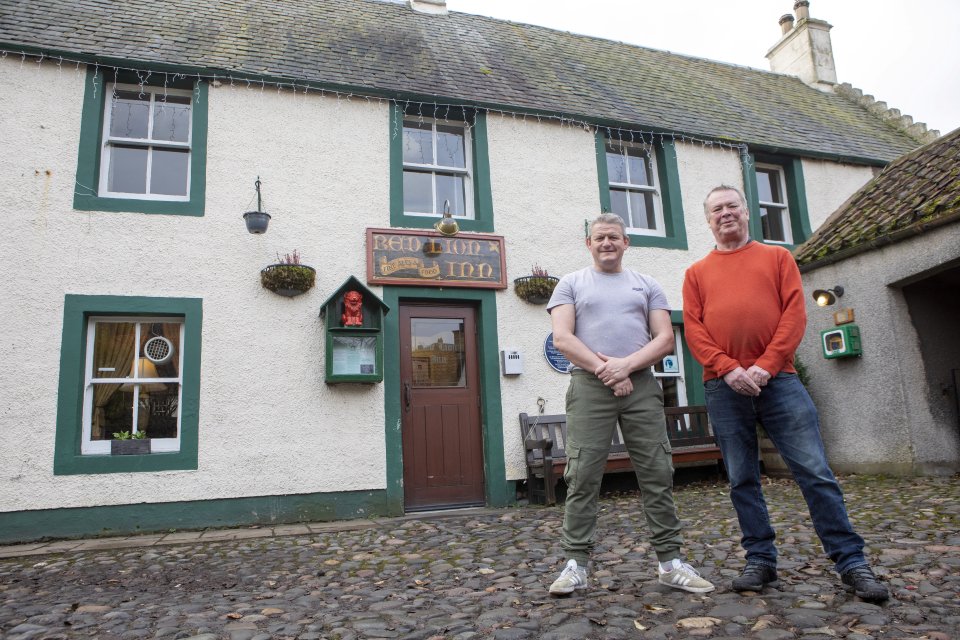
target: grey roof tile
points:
(386, 47)
(915, 193)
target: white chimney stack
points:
(434, 7)
(804, 49)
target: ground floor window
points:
(133, 382)
(129, 370)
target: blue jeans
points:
(787, 414)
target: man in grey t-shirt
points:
(613, 324)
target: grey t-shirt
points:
(611, 308)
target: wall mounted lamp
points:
(258, 220)
(447, 226)
(826, 297)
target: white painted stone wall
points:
(829, 184)
(268, 422)
(874, 410)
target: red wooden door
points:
(441, 431)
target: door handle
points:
(406, 395)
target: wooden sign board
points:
(426, 258)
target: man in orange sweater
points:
(744, 317)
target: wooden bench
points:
(545, 439)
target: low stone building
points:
(893, 251)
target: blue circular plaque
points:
(556, 359)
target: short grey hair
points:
(608, 218)
(724, 187)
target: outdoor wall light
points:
(447, 226)
(258, 220)
(826, 297)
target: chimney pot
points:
(802, 9)
(786, 23)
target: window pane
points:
(417, 143)
(639, 167)
(112, 410)
(113, 349)
(171, 118)
(128, 170)
(129, 114)
(616, 166)
(438, 354)
(450, 147)
(768, 186)
(450, 188)
(159, 410)
(169, 172)
(772, 221)
(641, 210)
(161, 341)
(417, 192)
(618, 204)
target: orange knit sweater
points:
(744, 307)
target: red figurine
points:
(352, 309)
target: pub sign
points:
(426, 258)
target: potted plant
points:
(288, 277)
(536, 288)
(125, 443)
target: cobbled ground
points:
(485, 575)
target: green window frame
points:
(481, 198)
(86, 195)
(671, 200)
(796, 195)
(77, 310)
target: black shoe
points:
(755, 577)
(861, 581)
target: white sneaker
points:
(683, 576)
(572, 577)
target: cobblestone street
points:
(485, 573)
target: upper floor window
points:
(634, 193)
(640, 182)
(143, 144)
(436, 168)
(438, 160)
(146, 143)
(774, 208)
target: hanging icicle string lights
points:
(402, 106)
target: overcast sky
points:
(903, 52)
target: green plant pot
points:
(288, 279)
(535, 289)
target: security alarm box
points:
(511, 362)
(841, 342)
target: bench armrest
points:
(543, 443)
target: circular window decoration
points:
(158, 350)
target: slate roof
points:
(388, 48)
(917, 192)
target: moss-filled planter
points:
(288, 279)
(535, 289)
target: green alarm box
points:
(841, 342)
